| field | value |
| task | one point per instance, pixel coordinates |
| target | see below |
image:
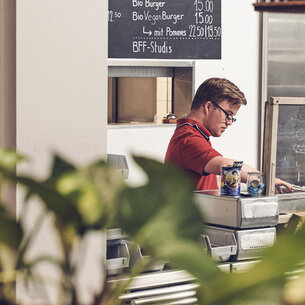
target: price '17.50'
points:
(207, 31)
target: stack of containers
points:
(238, 228)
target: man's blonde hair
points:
(216, 90)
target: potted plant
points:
(160, 215)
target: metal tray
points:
(250, 243)
(118, 257)
(221, 253)
(238, 212)
(123, 255)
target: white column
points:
(61, 102)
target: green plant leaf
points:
(294, 223)
(168, 192)
(9, 158)
(78, 189)
(109, 183)
(29, 238)
(63, 208)
(163, 218)
(11, 232)
(93, 189)
(59, 167)
(294, 292)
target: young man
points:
(213, 109)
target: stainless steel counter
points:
(237, 212)
(178, 286)
(291, 202)
(168, 287)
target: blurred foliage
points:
(161, 216)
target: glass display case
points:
(284, 142)
(283, 86)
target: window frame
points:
(149, 68)
(271, 137)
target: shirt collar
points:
(193, 122)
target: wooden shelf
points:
(280, 7)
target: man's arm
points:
(279, 183)
(214, 165)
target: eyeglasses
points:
(229, 117)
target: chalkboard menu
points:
(168, 29)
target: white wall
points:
(240, 64)
(61, 81)
(149, 141)
(61, 100)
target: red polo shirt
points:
(190, 149)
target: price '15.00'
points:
(207, 5)
(201, 18)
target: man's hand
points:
(281, 185)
